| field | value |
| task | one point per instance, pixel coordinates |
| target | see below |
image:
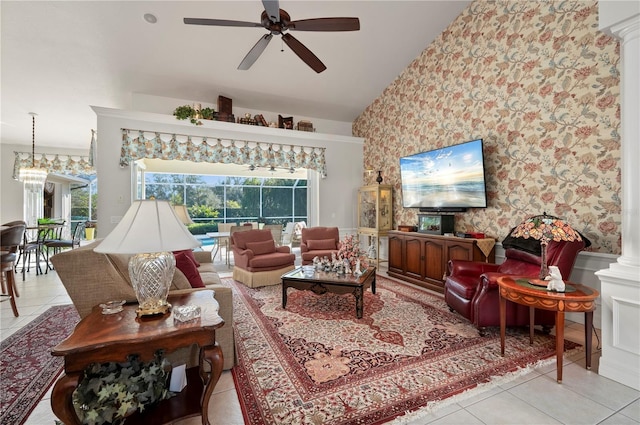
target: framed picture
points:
(285, 122)
(260, 120)
(435, 224)
(225, 105)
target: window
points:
(230, 198)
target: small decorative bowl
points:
(112, 307)
(309, 270)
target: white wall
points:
(11, 191)
(337, 193)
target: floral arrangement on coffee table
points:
(350, 250)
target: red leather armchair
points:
(471, 288)
(318, 242)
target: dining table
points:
(216, 236)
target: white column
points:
(620, 283)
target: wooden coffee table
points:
(323, 282)
(577, 298)
(102, 338)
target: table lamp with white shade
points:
(150, 230)
(183, 214)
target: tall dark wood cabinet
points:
(422, 258)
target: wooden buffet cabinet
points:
(422, 259)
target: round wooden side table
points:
(577, 298)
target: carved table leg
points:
(559, 343)
(503, 323)
(588, 335)
(212, 355)
(359, 294)
(62, 398)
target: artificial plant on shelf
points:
(109, 392)
(207, 113)
(187, 112)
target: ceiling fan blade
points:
(303, 53)
(220, 22)
(326, 24)
(272, 7)
(255, 52)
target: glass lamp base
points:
(151, 275)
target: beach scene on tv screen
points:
(448, 177)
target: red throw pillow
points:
(189, 269)
(262, 247)
(321, 244)
(189, 254)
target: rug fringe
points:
(495, 381)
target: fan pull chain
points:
(281, 45)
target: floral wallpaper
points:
(540, 84)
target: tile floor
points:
(584, 397)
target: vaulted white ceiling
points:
(59, 57)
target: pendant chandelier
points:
(33, 174)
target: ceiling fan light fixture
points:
(150, 18)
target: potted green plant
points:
(89, 230)
(187, 112)
(207, 113)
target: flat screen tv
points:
(446, 179)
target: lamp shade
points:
(545, 228)
(183, 214)
(148, 226)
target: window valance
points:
(139, 144)
(54, 163)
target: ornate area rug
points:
(27, 368)
(315, 363)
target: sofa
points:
(257, 261)
(92, 278)
(318, 242)
(471, 287)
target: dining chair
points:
(224, 227)
(276, 231)
(33, 247)
(58, 245)
(10, 239)
(287, 234)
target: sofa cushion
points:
(189, 253)
(188, 267)
(321, 244)
(262, 247)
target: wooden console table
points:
(422, 258)
(111, 338)
(578, 298)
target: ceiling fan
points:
(278, 21)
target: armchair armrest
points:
(470, 268)
(489, 280)
(304, 247)
(241, 257)
(284, 249)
